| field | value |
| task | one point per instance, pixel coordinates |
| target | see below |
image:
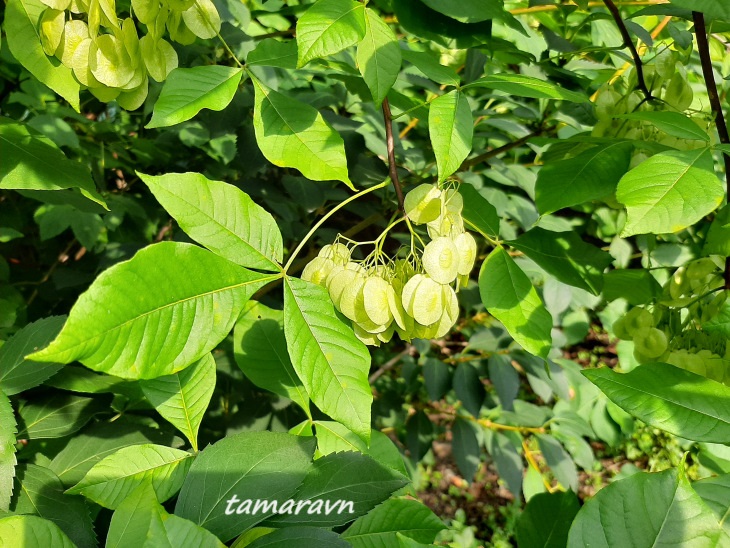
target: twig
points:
(629, 43)
(390, 143)
(390, 364)
(553, 7)
(497, 151)
(703, 48)
(62, 258)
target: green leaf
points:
(259, 347)
(417, 18)
(31, 161)
(478, 212)
(559, 461)
(274, 53)
(221, 217)
(715, 492)
(8, 234)
(8, 429)
(253, 465)
(506, 459)
(333, 437)
(509, 296)
(187, 91)
(328, 27)
(183, 397)
(18, 374)
(87, 448)
(331, 362)
(34, 532)
(683, 189)
(300, 536)
(405, 516)
(293, 134)
(378, 56)
(431, 68)
(672, 123)
(718, 237)
(114, 477)
(468, 11)
(527, 86)
(565, 256)
(646, 510)
(711, 8)
(636, 285)
(166, 326)
(466, 448)
(76, 378)
(336, 480)
(720, 323)
(138, 520)
(22, 19)
(591, 175)
(40, 492)
(546, 520)
(669, 398)
(468, 388)
(451, 130)
(437, 377)
(183, 532)
(57, 416)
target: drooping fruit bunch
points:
(106, 53)
(414, 296)
(666, 78)
(680, 329)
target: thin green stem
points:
(328, 215)
(228, 49)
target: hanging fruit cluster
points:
(413, 296)
(108, 56)
(666, 78)
(665, 334)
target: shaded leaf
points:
(546, 520)
(40, 492)
(259, 346)
(408, 517)
(336, 480)
(521, 85)
(260, 465)
(565, 256)
(18, 374)
(591, 175)
(183, 397)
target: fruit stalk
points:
(390, 145)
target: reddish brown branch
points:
(629, 43)
(703, 48)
